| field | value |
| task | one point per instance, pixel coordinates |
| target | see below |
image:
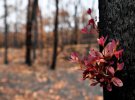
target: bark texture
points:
(117, 20)
(35, 26)
(6, 33)
(16, 26)
(30, 18)
(76, 22)
(55, 36)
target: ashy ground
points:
(21, 82)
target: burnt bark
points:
(75, 32)
(55, 37)
(30, 18)
(41, 44)
(117, 20)
(6, 33)
(16, 28)
(76, 22)
(35, 41)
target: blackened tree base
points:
(117, 20)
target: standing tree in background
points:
(6, 33)
(64, 19)
(30, 18)
(28, 33)
(55, 37)
(16, 30)
(76, 20)
(35, 38)
(117, 20)
(41, 32)
(35, 26)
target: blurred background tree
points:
(31, 17)
(6, 33)
(42, 34)
(33, 30)
(55, 32)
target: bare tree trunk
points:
(41, 33)
(35, 35)
(35, 38)
(62, 44)
(16, 30)
(30, 18)
(28, 34)
(75, 32)
(6, 33)
(55, 37)
(76, 22)
(117, 20)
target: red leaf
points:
(120, 66)
(84, 30)
(94, 56)
(110, 48)
(117, 82)
(90, 28)
(111, 70)
(118, 54)
(74, 57)
(91, 21)
(109, 87)
(101, 41)
(102, 80)
(89, 11)
(95, 53)
(101, 61)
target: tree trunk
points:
(35, 34)
(55, 37)
(35, 38)
(117, 20)
(30, 18)
(6, 33)
(76, 22)
(16, 28)
(41, 46)
(75, 32)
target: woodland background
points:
(36, 40)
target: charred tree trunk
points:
(16, 28)
(15, 36)
(30, 18)
(75, 32)
(117, 20)
(35, 38)
(55, 37)
(6, 33)
(41, 33)
(35, 35)
(28, 34)
(76, 22)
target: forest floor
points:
(21, 82)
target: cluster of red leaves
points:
(100, 67)
(91, 26)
